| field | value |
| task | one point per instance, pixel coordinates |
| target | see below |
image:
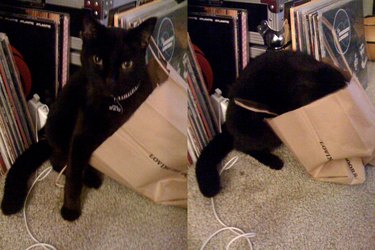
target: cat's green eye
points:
(127, 65)
(97, 60)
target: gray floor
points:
(113, 217)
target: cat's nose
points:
(110, 80)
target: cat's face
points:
(113, 55)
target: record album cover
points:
(36, 41)
(216, 37)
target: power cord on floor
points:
(41, 176)
(239, 232)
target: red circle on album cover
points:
(24, 71)
(207, 72)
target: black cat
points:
(111, 84)
(278, 82)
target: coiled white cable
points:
(40, 177)
(239, 232)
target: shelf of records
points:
(16, 126)
(203, 123)
(42, 39)
(34, 59)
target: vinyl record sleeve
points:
(14, 95)
(216, 37)
(36, 40)
(344, 21)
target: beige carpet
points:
(286, 209)
(113, 217)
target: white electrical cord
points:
(239, 232)
(41, 176)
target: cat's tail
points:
(16, 182)
(207, 164)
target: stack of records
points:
(16, 130)
(202, 120)
(332, 31)
(221, 33)
(42, 38)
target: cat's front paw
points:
(70, 214)
(210, 191)
(209, 185)
(57, 167)
(93, 182)
(13, 201)
(58, 161)
(10, 207)
(92, 178)
(275, 163)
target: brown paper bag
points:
(333, 137)
(148, 153)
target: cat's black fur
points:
(85, 113)
(281, 82)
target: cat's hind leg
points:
(92, 178)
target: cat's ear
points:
(91, 28)
(143, 32)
